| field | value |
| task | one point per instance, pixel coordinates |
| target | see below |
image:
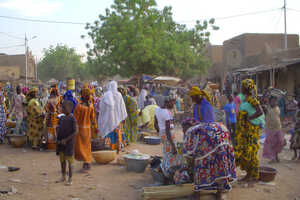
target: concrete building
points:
(245, 50)
(12, 67)
(250, 50)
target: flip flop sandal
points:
(13, 169)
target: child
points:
(229, 109)
(66, 131)
(295, 141)
(275, 141)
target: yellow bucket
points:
(71, 84)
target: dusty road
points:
(40, 170)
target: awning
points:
(260, 68)
(166, 80)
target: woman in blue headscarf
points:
(203, 110)
(70, 97)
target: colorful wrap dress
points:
(214, 163)
(131, 122)
(35, 122)
(247, 137)
(52, 109)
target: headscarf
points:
(69, 97)
(85, 92)
(85, 86)
(98, 91)
(250, 85)
(33, 90)
(196, 91)
(112, 109)
(25, 90)
(54, 90)
(122, 90)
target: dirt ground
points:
(40, 170)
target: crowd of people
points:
(210, 151)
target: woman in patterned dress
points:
(35, 119)
(249, 124)
(164, 124)
(130, 125)
(52, 109)
(211, 156)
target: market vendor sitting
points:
(211, 156)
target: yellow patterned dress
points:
(35, 123)
(247, 137)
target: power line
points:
(239, 15)
(41, 21)
(278, 21)
(7, 47)
(246, 14)
(11, 36)
(295, 10)
(81, 23)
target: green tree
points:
(61, 62)
(134, 37)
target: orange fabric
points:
(53, 109)
(84, 116)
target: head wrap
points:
(98, 91)
(33, 90)
(250, 85)
(25, 90)
(85, 92)
(122, 90)
(85, 86)
(69, 97)
(54, 90)
(196, 91)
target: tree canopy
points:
(135, 38)
(61, 62)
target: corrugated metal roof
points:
(260, 68)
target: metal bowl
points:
(136, 163)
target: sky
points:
(12, 32)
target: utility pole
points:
(285, 33)
(26, 60)
(36, 73)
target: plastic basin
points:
(136, 163)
